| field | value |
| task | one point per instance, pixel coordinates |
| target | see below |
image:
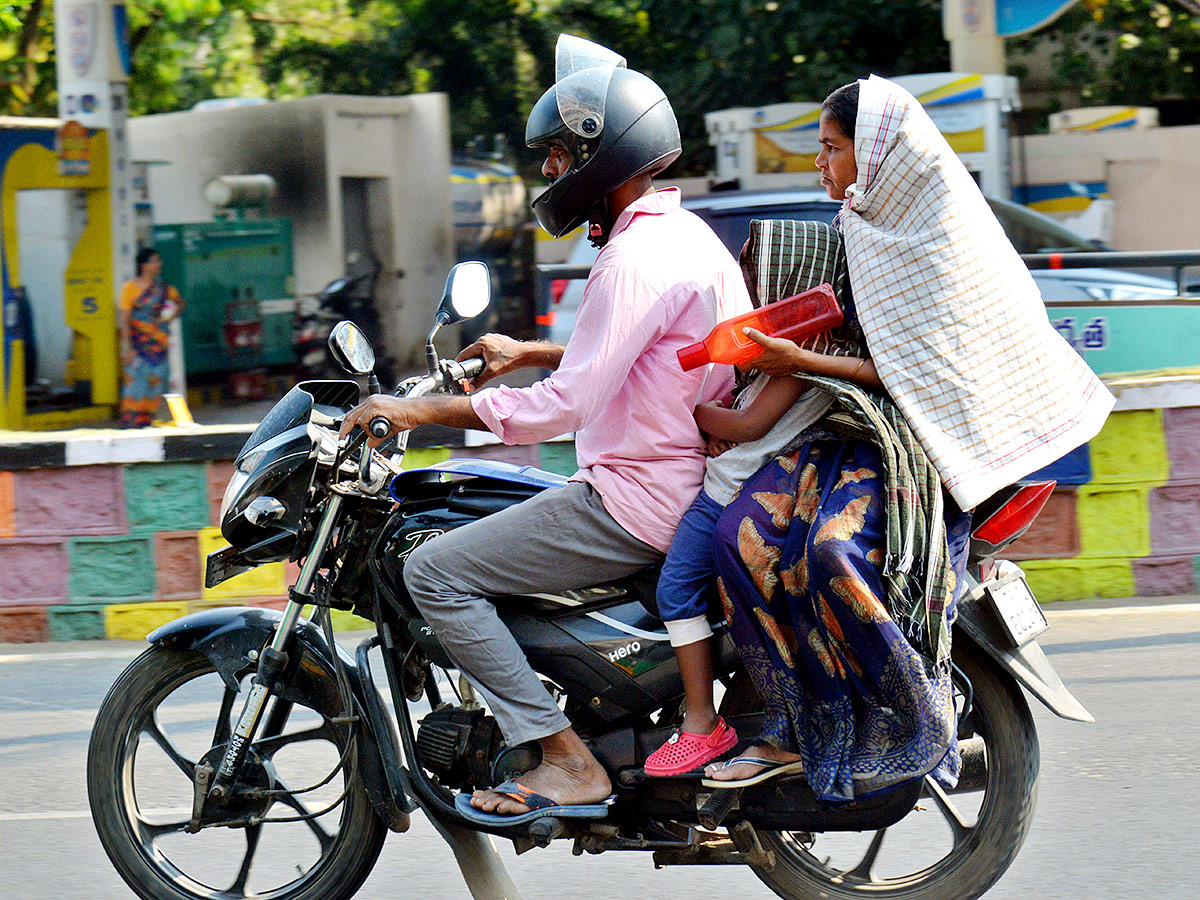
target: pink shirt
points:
(661, 282)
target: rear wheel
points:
(954, 845)
(169, 711)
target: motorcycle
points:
(351, 297)
(246, 753)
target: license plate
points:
(221, 566)
(1018, 610)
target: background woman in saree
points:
(147, 305)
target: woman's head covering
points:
(956, 325)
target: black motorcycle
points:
(246, 754)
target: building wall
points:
(308, 146)
(1153, 179)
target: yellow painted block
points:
(133, 621)
(1131, 448)
(1079, 579)
(265, 581)
(421, 457)
(343, 620)
(1114, 520)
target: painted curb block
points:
(265, 581)
(6, 505)
(133, 621)
(33, 571)
(23, 624)
(1114, 520)
(75, 623)
(111, 568)
(166, 497)
(177, 563)
(1130, 448)
(559, 458)
(1079, 579)
(69, 502)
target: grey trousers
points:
(558, 540)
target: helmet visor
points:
(582, 73)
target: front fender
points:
(228, 635)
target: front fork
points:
(271, 663)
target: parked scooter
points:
(241, 724)
(350, 297)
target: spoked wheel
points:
(954, 845)
(168, 712)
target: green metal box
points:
(237, 281)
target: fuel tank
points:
(602, 645)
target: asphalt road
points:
(1118, 812)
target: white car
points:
(729, 215)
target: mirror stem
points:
(431, 357)
(372, 383)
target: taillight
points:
(557, 286)
(1015, 516)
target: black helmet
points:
(616, 123)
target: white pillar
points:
(970, 27)
(93, 77)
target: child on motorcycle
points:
(764, 417)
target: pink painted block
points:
(517, 454)
(177, 562)
(1054, 534)
(23, 624)
(1182, 428)
(33, 571)
(70, 501)
(1175, 519)
(219, 473)
(1164, 576)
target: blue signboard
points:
(1020, 16)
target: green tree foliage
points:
(26, 58)
(494, 57)
(1124, 52)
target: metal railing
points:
(1177, 260)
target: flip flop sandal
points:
(774, 769)
(688, 750)
(539, 805)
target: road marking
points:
(82, 814)
(1053, 613)
(113, 653)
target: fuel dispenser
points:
(59, 365)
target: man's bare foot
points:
(749, 770)
(568, 774)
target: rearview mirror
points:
(351, 349)
(468, 292)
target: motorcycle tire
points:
(168, 709)
(982, 845)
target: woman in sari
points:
(147, 306)
(839, 561)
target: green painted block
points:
(1114, 520)
(559, 457)
(75, 623)
(1079, 579)
(1131, 448)
(1196, 573)
(166, 496)
(108, 568)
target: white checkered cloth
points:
(955, 323)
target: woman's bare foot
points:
(568, 774)
(749, 770)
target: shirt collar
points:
(658, 203)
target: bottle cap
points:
(693, 356)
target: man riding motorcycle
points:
(662, 281)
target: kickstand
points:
(480, 864)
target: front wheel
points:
(954, 845)
(273, 839)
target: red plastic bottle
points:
(794, 318)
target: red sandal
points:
(686, 750)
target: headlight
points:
(233, 490)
